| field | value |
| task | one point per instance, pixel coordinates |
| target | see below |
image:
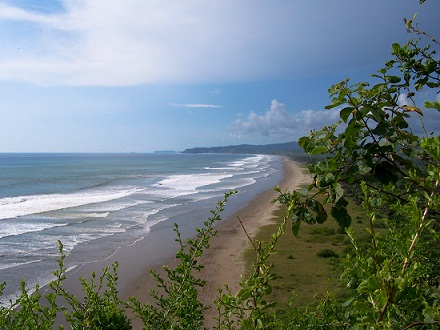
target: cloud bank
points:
(130, 42)
(277, 122)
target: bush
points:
(327, 253)
(324, 231)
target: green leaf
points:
(310, 203)
(369, 285)
(348, 302)
(268, 289)
(296, 223)
(319, 149)
(394, 79)
(362, 306)
(303, 141)
(381, 298)
(321, 214)
(432, 105)
(385, 172)
(373, 283)
(431, 146)
(326, 180)
(304, 191)
(345, 113)
(313, 147)
(431, 84)
(377, 113)
(339, 192)
(352, 129)
(395, 49)
(382, 129)
(362, 168)
(340, 214)
(244, 294)
(336, 103)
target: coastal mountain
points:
(288, 148)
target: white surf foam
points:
(13, 207)
(15, 229)
(180, 185)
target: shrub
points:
(327, 253)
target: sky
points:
(147, 75)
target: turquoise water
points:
(97, 203)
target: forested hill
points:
(288, 149)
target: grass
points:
(300, 269)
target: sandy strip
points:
(223, 261)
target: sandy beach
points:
(223, 261)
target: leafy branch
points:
(177, 305)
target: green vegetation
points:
(296, 265)
(390, 275)
(393, 281)
(327, 253)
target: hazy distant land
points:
(288, 148)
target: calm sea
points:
(97, 203)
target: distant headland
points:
(287, 149)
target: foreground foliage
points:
(374, 152)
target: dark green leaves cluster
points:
(373, 155)
(101, 306)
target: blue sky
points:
(140, 76)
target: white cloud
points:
(277, 122)
(18, 14)
(128, 42)
(404, 100)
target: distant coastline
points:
(287, 148)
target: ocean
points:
(97, 203)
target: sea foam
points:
(13, 207)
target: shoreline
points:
(223, 261)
